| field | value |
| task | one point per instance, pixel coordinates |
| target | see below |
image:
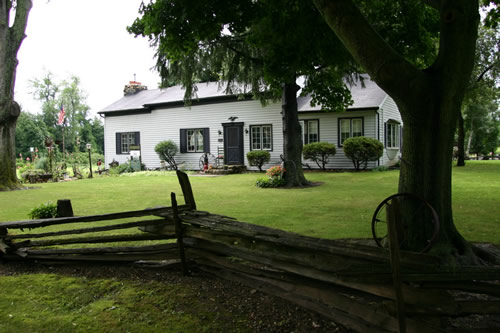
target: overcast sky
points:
(86, 38)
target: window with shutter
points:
(126, 139)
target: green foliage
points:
(167, 150)
(258, 158)
(361, 149)
(79, 129)
(380, 168)
(44, 211)
(275, 178)
(30, 132)
(82, 158)
(124, 168)
(269, 44)
(32, 174)
(42, 163)
(270, 182)
(319, 152)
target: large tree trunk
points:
(429, 101)
(292, 140)
(10, 42)
(8, 178)
(461, 141)
(426, 170)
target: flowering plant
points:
(275, 171)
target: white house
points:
(232, 125)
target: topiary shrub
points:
(167, 150)
(258, 158)
(319, 152)
(361, 149)
(44, 211)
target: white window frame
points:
(260, 143)
(393, 135)
(195, 134)
(350, 133)
(127, 139)
(305, 130)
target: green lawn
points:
(339, 208)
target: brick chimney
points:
(133, 87)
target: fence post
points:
(178, 233)
(64, 208)
(393, 219)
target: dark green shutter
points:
(183, 141)
(118, 143)
(137, 138)
(206, 140)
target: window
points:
(349, 128)
(392, 134)
(126, 139)
(310, 131)
(195, 140)
(261, 137)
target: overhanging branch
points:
(387, 67)
(18, 29)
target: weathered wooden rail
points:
(348, 282)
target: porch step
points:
(227, 170)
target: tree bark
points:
(292, 139)
(11, 38)
(461, 141)
(429, 101)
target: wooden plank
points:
(477, 287)
(96, 239)
(91, 218)
(482, 307)
(217, 223)
(414, 296)
(99, 257)
(321, 300)
(179, 234)
(187, 190)
(393, 222)
(88, 230)
(116, 249)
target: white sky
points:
(86, 38)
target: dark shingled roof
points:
(371, 96)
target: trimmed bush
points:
(361, 149)
(258, 158)
(44, 211)
(167, 150)
(319, 152)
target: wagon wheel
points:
(210, 159)
(419, 206)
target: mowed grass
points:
(341, 206)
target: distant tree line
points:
(77, 128)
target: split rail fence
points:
(366, 288)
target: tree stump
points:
(64, 208)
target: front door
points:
(233, 143)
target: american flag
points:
(61, 116)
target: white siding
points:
(329, 132)
(388, 110)
(165, 124)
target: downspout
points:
(378, 131)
